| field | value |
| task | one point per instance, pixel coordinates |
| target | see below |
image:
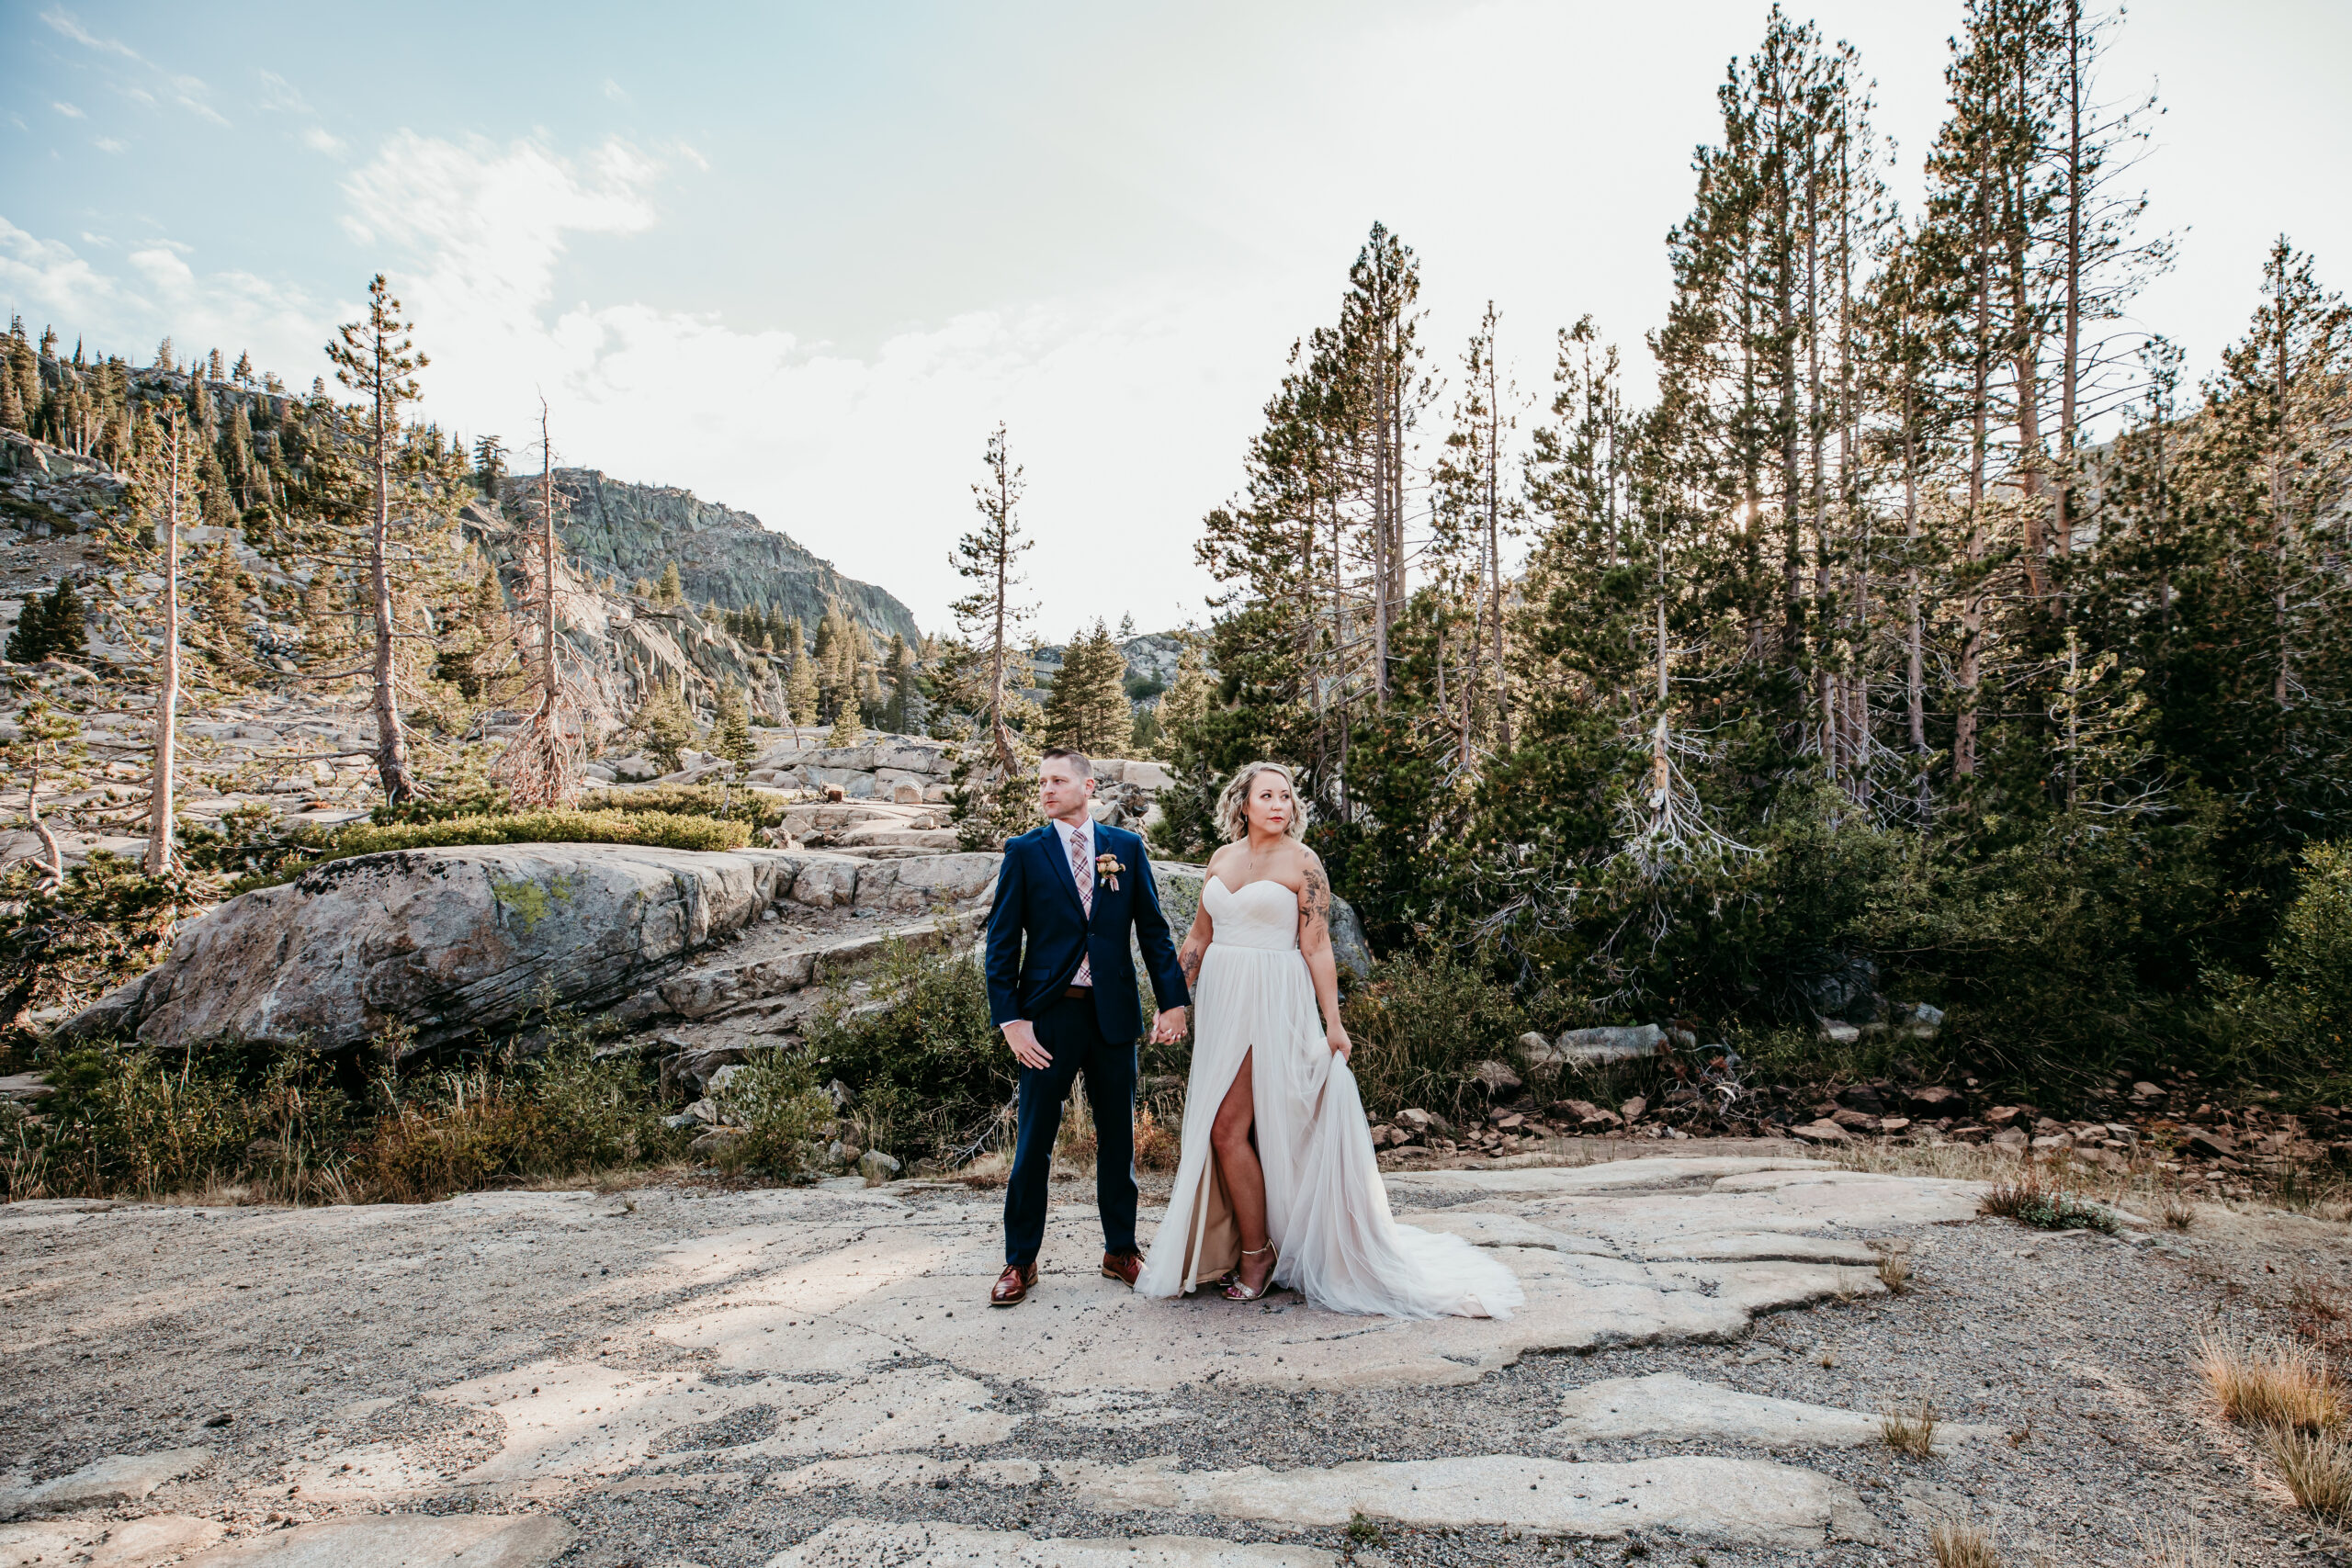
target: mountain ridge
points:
(724, 556)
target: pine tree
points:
(663, 725)
(731, 732)
(1087, 707)
(800, 682)
(1186, 702)
(847, 730)
(672, 592)
(218, 630)
(51, 628)
(145, 539)
(906, 713)
(992, 614)
(375, 358)
(490, 466)
(542, 765)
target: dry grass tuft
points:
(2181, 1546)
(2045, 1205)
(1894, 1269)
(2317, 1468)
(1913, 1433)
(1962, 1546)
(2289, 1387)
(1157, 1148)
(987, 1172)
(2179, 1213)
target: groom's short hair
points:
(1080, 760)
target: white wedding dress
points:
(1326, 1208)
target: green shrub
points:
(154, 1121)
(148, 1121)
(654, 828)
(66, 947)
(2031, 1201)
(1420, 1026)
(2293, 1028)
(468, 791)
(928, 1073)
(560, 1114)
(785, 1120)
(757, 808)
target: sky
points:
(802, 259)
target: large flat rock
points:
(866, 1543)
(404, 1541)
(111, 1543)
(1683, 1409)
(108, 1483)
(448, 942)
(1747, 1501)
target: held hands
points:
(1337, 1034)
(1021, 1035)
(1167, 1027)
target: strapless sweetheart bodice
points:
(1262, 914)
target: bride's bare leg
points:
(1244, 1181)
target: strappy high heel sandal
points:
(1237, 1292)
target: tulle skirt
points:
(1326, 1208)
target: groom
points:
(1061, 988)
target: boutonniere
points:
(1107, 869)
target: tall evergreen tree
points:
(375, 358)
(991, 617)
(1087, 707)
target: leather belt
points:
(1077, 993)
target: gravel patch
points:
(322, 1334)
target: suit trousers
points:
(1072, 1036)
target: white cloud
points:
(188, 92)
(160, 293)
(111, 144)
(317, 139)
(616, 92)
(68, 110)
(278, 93)
(866, 460)
(202, 109)
(59, 19)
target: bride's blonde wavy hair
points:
(1233, 805)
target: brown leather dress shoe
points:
(1122, 1265)
(1012, 1286)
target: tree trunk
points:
(1494, 548)
(2070, 381)
(161, 847)
(2281, 495)
(53, 855)
(1914, 631)
(547, 568)
(392, 747)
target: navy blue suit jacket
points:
(1037, 931)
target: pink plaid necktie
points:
(1082, 871)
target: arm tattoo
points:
(1191, 964)
(1314, 899)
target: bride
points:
(1277, 1183)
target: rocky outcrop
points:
(724, 557)
(454, 943)
(448, 942)
(905, 769)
